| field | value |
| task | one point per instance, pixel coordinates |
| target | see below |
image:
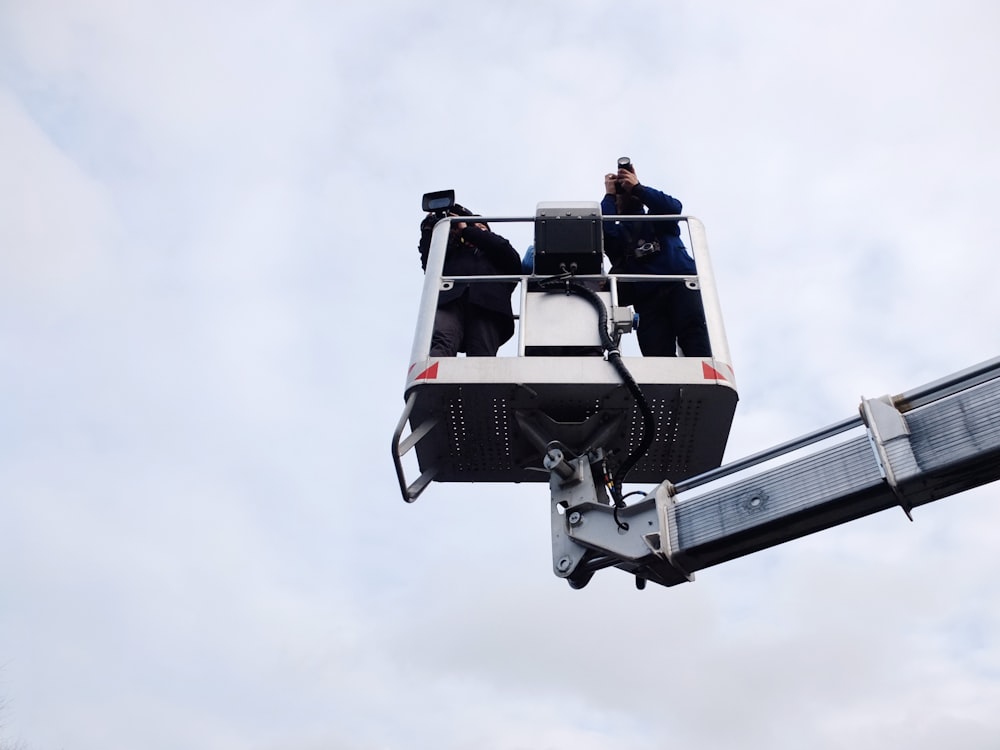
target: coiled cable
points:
(610, 345)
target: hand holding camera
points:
(625, 179)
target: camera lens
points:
(624, 163)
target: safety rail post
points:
(400, 448)
(709, 293)
(429, 297)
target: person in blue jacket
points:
(670, 314)
(475, 318)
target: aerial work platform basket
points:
(492, 419)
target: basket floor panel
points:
(480, 438)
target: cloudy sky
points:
(208, 279)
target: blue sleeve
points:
(657, 201)
(528, 262)
(614, 235)
(612, 230)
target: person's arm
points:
(528, 261)
(657, 201)
(614, 234)
(497, 249)
(609, 208)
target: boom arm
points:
(906, 450)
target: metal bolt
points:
(563, 564)
(755, 501)
(575, 517)
(552, 458)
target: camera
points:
(623, 163)
(646, 248)
(438, 203)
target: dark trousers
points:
(670, 316)
(463, 327)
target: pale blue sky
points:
(208, 279)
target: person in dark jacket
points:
(472, 317)
(670, 314)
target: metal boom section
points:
(914, 448)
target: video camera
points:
(439, 203)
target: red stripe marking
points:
(429, 374)
(711, 373)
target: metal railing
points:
(435, 281)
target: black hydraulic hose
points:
(610, 345)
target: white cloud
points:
(210, 278)
(58, 231)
